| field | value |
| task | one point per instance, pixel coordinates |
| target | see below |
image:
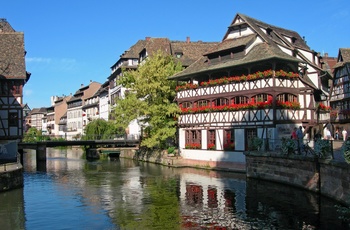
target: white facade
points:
(74, 122)
(104, 105)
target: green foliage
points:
(150, 99)
(346, 151)
(171, 149)
(58, 139)
(343, 212)
(34, 135)
(255, 143)
(288, 146)
(100, 129)
(323, 148)
(161, 209)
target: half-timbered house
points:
(13, 76)
(340, 93)
(260, 81)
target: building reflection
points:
(213, 201)
(203, 199)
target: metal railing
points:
(88, 137)
(305, 147)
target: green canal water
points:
(69, 192)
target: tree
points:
(150, 99)
(34, 135)
(100, 129)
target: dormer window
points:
(143, 55)
(268, 31)
(178, 54)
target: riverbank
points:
(163, 158)
(327, 177)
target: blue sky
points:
(71, 42)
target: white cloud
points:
(38, 59)
(51, 65)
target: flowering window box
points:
(193, 146)
(239, 107)
(229, 146)
(237, 79)
(211, 146)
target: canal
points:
(69, 192)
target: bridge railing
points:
(89, 137)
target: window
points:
(178, 54)
(229, 139)
(250, 134)
(193, 139)
(263, 97)
(186, 105)
(15, 87)
(3, 87)
(211, 140)
(221, 101)
(286, 97)
(240, 100)
(202, 103)
(13, 119)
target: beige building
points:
(75, 112)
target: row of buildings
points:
(259, 81)
(68, 115)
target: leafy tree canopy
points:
(34, 135)
(150, 99)
(100, 129)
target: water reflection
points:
(75, 194)
(12, 210)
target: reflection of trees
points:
(161, 207)
(12, 210)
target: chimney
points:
(148, 38)
(188, 40)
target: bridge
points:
(41, 146)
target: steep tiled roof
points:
(12, 63)
(263, 43)
(278, 31)
(343, 57)
(191, 51)
(154, 44)
(258, 53)
(328, 63)
(345, 53)
(134, 50)
(232, 43)
(38, 110)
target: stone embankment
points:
(329, 177)
(11, 176)
(163, 158)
